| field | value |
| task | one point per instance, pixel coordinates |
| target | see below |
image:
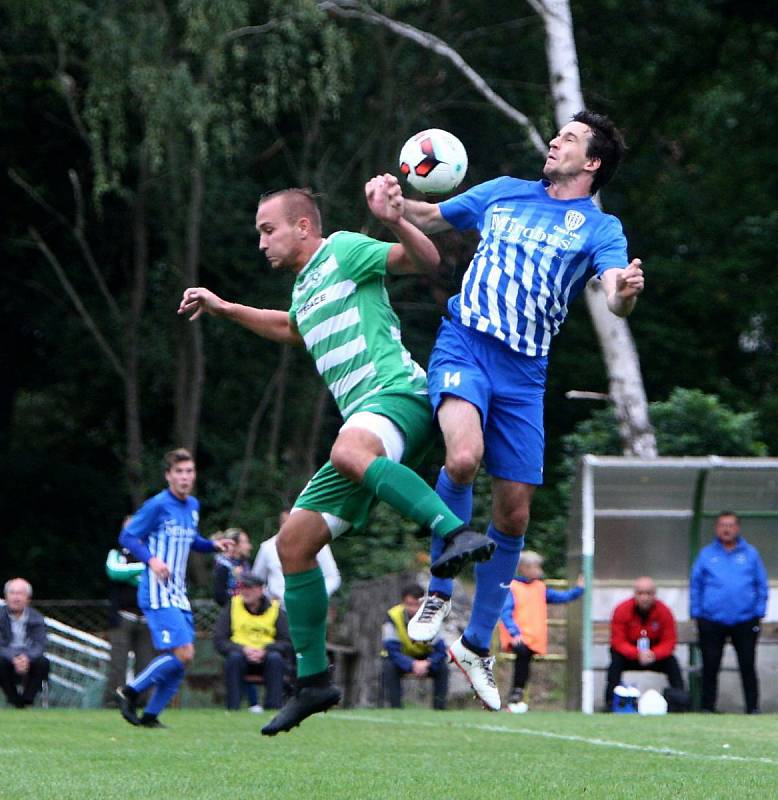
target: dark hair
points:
(173, 457)
(298, 203)
(605, 143)
(728, 514)
(414, 590)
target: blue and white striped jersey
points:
(535, 256)
(167, 526)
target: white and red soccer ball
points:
(433, 161)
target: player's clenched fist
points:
(381, 204)
(394, 192)
(630, 282)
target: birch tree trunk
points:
(618, 347)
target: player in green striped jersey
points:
(341, 313)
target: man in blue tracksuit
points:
(728, 598)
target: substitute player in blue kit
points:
(161, 534)
(541, 241)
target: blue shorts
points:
(170, 627)
(505, 386)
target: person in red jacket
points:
(642, 638)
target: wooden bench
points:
(209, 673)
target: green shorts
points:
(332, 495)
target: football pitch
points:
(463, 755)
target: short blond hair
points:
(297, 204)
(233, 534)
(530, 558)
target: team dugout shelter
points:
(631, 517)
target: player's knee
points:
(185, 654)
(293, 546)
(514, 522)
(462, 464)
(343, 458)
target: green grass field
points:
(81, 755)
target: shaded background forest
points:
(136, 139)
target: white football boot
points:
(427, 620)
(479, 670)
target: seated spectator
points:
(402, 656)
(642, 638)
(228, 567)
(267, 565)
(253, 636)
(23, 667)
(523, 622)
(127, 627)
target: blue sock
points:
(155, 672)
(166, 689)
(492, 584)
(459, 498)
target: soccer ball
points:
(433, 161)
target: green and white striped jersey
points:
(341, 308)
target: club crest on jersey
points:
(196, 518)
(309, 282)
(574, 220)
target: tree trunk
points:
(315, 431)
(618, 347)
(277, 419)
(251, 443)
(190, 374)
(132, 354)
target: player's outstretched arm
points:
(265, 322)
(415, 252)
(623, 286)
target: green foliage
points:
(691, 423)
(688, 423)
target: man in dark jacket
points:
(127, 628)
(643, 637)
(22, 643)
(253, 636)
(403, 656)
(728, 598)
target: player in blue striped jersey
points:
(541, 241)
(161, 534)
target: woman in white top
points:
(267, 566)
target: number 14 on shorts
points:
(452, 379)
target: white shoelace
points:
(431, 606)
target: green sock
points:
(409, 494)
(306, 602)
